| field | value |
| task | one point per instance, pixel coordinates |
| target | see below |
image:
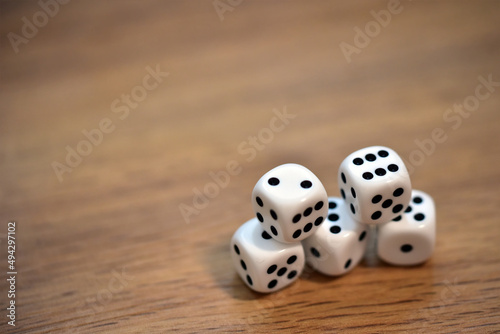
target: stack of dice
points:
(296, 222)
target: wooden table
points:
(116, 115)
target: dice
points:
(264, 264)
(290, 202)
(409, 238)
(295, 222)
(339, 243)
(375, 184)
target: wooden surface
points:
(107, 248)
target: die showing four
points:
(296, 222)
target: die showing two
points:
(296, 221)
(290, 202)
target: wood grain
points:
(107, 248)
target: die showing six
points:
(375, 184)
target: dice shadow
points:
(309, 274)
(217, 261)
(370, 258)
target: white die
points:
(290, 202)
(339, 243)
(264, 264)
(375, 184)
(410, 238)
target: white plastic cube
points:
(339, 243)
(264, 264)
(375, 184)
(410, 238)
(290, 202)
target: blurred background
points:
(133, 132)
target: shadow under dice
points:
(290, 202)
(339, 243)
(410, 238)
(375, 184)
(264, 264)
